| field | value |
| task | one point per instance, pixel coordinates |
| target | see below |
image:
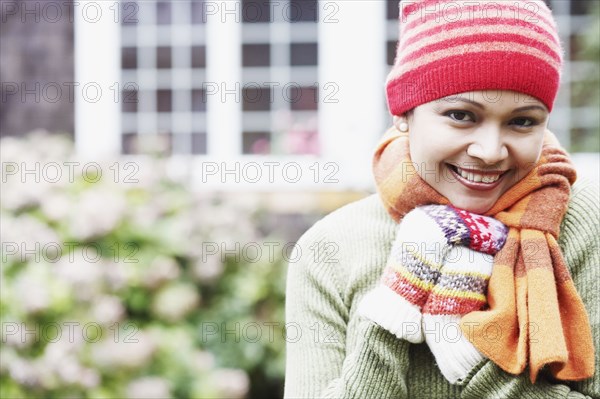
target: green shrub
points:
(117, 286)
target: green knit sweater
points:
(334, 353)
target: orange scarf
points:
(535, 315)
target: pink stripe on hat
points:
(480, 26)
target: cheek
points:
(425, 149)
(529, 153)
(415, 146)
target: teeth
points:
(476, 177)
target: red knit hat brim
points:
(516, 72)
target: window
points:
(198, 100)
(303, 98)
(128, 58)
(197, 8)
(391, 51)
(279, 93)
(256, 11)
(393, 10)
(129, 100)
(256, 99)
(302, 11)
(163, 13)
(303, 54)
(163, 57)
(198, 57)
(163, 62)
(256, 55)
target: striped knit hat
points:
(450, 47)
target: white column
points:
(351, 81)
(97, 76)
(223, 78)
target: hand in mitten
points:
(460, 288)
(412, 269)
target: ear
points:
(401, 123)
(397, 120)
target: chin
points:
(479, 207)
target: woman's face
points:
(472, 147)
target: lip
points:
(477, 186)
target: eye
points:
(460, 116)
(524, 122)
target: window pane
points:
(393, 9)
(256, 143)
(304, 54)
(129, 101)
(391, 52)
(163, 57)
(256, 11)
(302, 10)
(256, 55)
(303, 98)
(256, 99)
(163, 13)
(129, 58)
(198, 57)
(198, 16)
(198, 100)
(129, 13)
(163, 100)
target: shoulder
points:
(360, 222)
(585, 196)
(580, 231)
(583, 211)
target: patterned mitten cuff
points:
(459, 290)
(412, 269)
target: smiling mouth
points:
(477, 177)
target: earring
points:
(403, 127)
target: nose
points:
(488, 145)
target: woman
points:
(468, 168)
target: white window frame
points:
(348, 128)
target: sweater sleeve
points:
(318, 364)
(579, 240)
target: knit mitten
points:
(461, 287)
(412, 269)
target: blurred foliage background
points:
(165, 304)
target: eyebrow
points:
(514, 111)
(528, 108)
